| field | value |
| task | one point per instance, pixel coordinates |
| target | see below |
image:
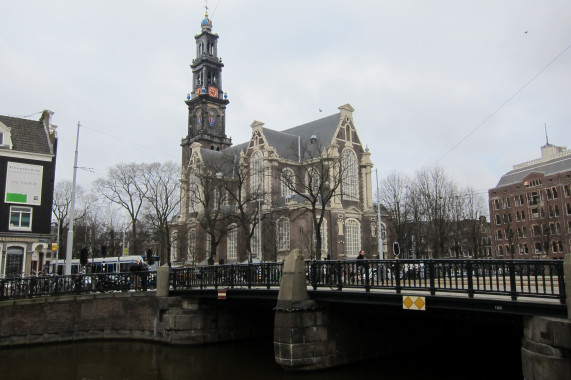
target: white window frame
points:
(287, 173)
(20, 210)
(232, 245)
(352, 237)
(283, 234)
(313, 181)
(257, 167)
(257, 242)
(350, 175)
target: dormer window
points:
(5, 140)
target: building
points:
(27, 170)
(530, 208)
(307, 187)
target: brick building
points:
(260, 199)
(27, 170)
(530, 208)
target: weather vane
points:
(206, 7)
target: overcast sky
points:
(467, 85)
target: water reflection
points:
(110, 360)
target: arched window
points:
(257, 242)
(14, 261)
(257, 172)
(282, 234)
(313, 181)
(323, 231)
(220, 197)
(288, 182)
(350, 177)
(232, 251)
(352, 237)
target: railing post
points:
(397, 276)
(313, 271)
(202, 276)
(366, 274)
(470, 279)
(513, 286)
(268, 274)
(339, 273)
(249, 275)
(431, 275)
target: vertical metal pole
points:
(69, 247)
(260, 229)
(381, 251)
(57, 242)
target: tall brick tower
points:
(207, 101)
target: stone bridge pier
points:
(546, 342)
(309, 335)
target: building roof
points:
(554, 166)
(287, 142)
(27, 135)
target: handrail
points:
(34, 286)
(513, 278)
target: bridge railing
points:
(227, 276)
(34, 286)
(515, 278)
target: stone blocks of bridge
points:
(546, 348)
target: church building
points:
(307, 187)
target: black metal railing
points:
(34, 286)
(227, 276)
(514, 278)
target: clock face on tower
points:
(213, 91)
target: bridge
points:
(314, 305)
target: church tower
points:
(207, 101)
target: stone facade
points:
(277, 189)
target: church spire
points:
(207, 101)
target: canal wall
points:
(129, 315)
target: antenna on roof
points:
(546, 138)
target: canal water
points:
(110, 360)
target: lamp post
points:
(380, 226)
(69, 248)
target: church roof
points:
(287, 142)
(557, 165)
(27, 135)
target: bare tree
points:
(474, 220)
(61, 205)
(244, 206)
(207, 202)
(162, 200)
(318, 180)
(395, 198)
(435, 195)
(125, 186)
